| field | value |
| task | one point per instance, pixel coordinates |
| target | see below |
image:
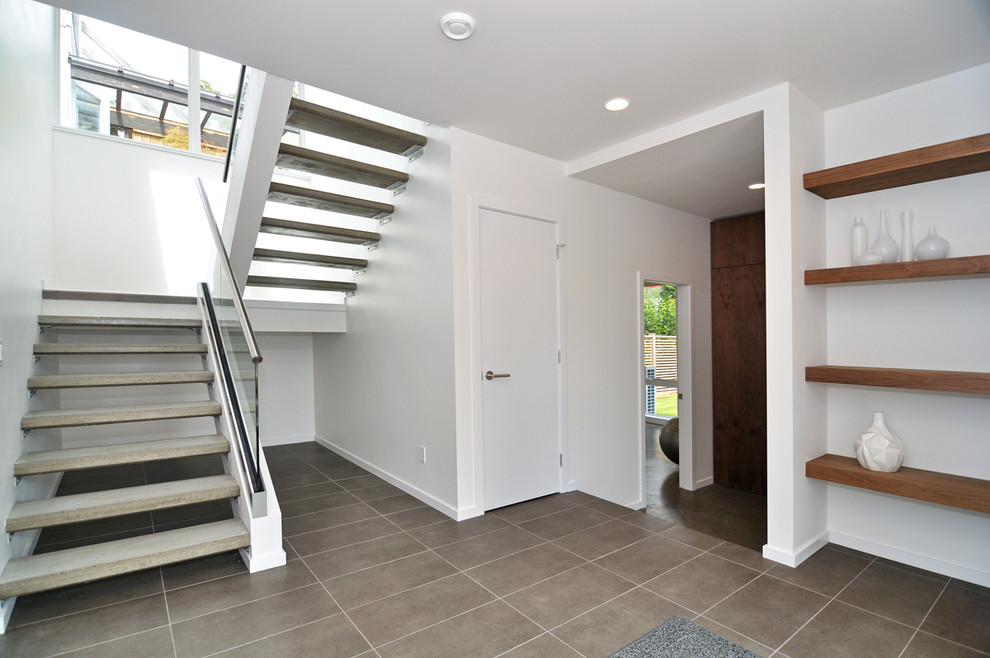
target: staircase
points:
(121, 462)
(331, 217)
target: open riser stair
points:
(123, 414)
(324, 209)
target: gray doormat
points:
(680, 638)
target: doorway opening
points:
(661, 388)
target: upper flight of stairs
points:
(306, 253)
(175, 475)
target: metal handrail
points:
(233, 123)
(242, 315)
(253, 466)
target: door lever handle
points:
(491, 375)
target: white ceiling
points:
(536, 72)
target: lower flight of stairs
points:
(311, 265)
(159, 341)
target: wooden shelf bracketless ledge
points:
(964, 266)
(952, 490)
(953, 381)
(958, 158)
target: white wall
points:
(611, 239)
(386, 386)
(929, 324)
(28, 109)
(128, 217)
(285, 388)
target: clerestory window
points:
(116, 81)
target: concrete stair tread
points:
(320, 260)
(119, 379)
(38, 573)
(76, 459)
(106, 322)
(305, 115)
(309, 198)
(304, 284)
(299, 158)
(60, 510)
(119, 348)
(108, 415)
(318, 231)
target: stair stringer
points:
(260, 513)
(259, 135)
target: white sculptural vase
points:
(884, 246)
(879, 449)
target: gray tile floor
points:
(373, 572)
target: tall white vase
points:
(884, 246)
(878, 448)
(857, 240)
(907, 236)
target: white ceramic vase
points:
(884, 246)
(878, 448)
(857, 240)
(932, 246)
(907, 236)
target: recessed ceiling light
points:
(616, 104)
(457, 25)
(757, 186)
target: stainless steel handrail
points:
(251, 457)
(242, 315)
(233, 123)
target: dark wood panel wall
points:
(739, 362)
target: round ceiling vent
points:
(457, 25)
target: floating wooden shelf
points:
(964, 266)
(958, 158)
(952, 490)
(925, 380)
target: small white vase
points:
(868, 258)
(907, 236)
(878, 448)
(857, 239)
(884, 246)
(932, 246)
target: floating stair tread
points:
(962, 266)
(77, 459)
(107, 322)
(278, 256)
(61, 510)
(119, 379)
(309, 198)
(953, 381)
(933, 487)
(318, 231)
(305, 115)
(957, 158)
(119, 348)
(305, 284)
(298, 158)
(39, 573)
(108, 415)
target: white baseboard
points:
(257, 563)
(913, 559)
(794, 558)
(286, 440)
(415, 492)
(703, 482)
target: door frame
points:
(474, 233)
(685, 379)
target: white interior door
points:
(519, 347)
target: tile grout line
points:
(827, 603)
(925, 618)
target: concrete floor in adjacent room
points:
(374, 572)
